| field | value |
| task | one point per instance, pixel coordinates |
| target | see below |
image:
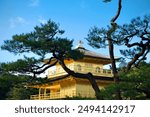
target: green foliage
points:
(19, 92)
(19, 66)
(7, 82)
(109, 93)
(134, 84)
(137, 31)
(45, 42)
(129, 53)
(41, 41)
(97, 37)
(12, 87)
(135, 36)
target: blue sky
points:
(76, 17)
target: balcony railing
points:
(101, 72)
(46, 96)
(61, 95)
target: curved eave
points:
(51, 80)
(96, 60)
(101, 78)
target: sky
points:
(76, 17)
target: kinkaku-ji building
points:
(61, 85)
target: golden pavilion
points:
(61, 85)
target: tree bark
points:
(94, 86)
(111, 47)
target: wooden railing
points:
(101, 72)
(60, 95)
(45, 96)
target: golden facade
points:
(62, 85)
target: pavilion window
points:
(97, 69)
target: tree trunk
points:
(111, 48)
(94, 86)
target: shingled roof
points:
(89, 53)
